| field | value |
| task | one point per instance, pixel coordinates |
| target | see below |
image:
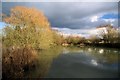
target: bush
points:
(57, 38)
(17, 60)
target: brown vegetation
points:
(25, 26)
(17, 60)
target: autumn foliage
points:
(27, 26)
(27, 17)
(27, 29)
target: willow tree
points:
(27, 26)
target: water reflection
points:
(94, 62)
(65, 51)
(101, 51)
(46, 58)
(89, 49)
(102, 57)
(61, 60)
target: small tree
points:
(109, 34)
(94, 39)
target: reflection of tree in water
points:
(45, 60)
(104, 54)
(108, 55)
(98, 55)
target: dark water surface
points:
(74, 62)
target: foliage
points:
(94, 39)
(27, 26)
(107, 35)
(111, 34)
(58, 39)
(74, 40)
(17, 60)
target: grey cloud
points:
(61, 1)
(67, 14)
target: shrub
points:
(17, 60)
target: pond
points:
(76, 62)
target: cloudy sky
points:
(73, 15)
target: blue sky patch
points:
(110, 16)
(2, 25)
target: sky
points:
(73, 15)
(60, 0)
(2, 24)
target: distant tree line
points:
(109, 36)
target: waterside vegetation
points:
(28, 32)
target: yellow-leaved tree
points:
(27, 26)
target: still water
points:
(75, 62)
